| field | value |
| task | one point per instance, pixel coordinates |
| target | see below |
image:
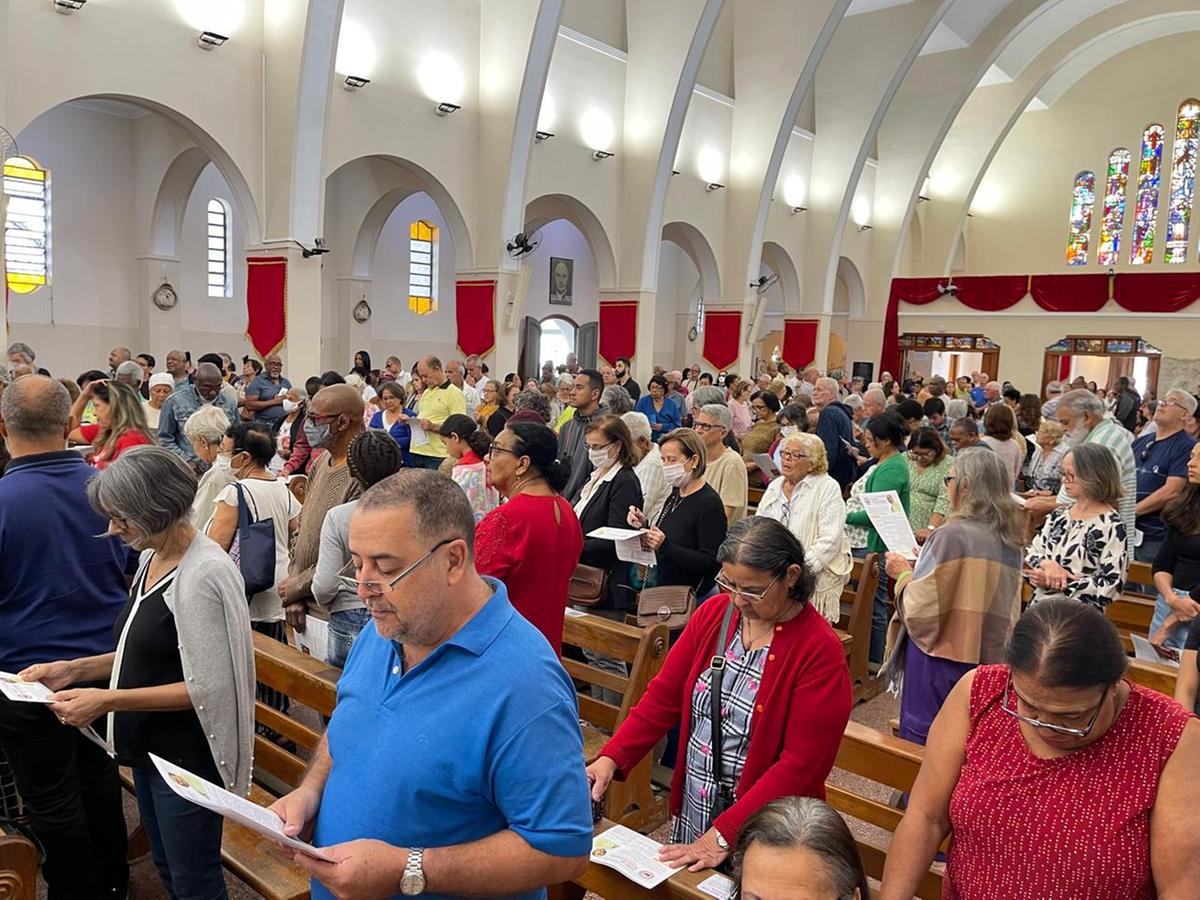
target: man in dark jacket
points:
(1128, 402)
(835, 431)
(585, 397)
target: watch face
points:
(412, 883)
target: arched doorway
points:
(1103, 359)
(948, 355)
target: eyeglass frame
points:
(746, 595)
(1049, 726)
(792, 455)
(369, 586)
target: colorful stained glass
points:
(1146, 212)
(1114, 208)
(26, 225)
(422, 267)
(1183, 181)
(1083, 199)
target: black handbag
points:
(253, 550)
(724, 798)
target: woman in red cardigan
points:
(784, 702)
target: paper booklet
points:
(718, 886)
(16, 688)
(765, 464)
(1148, 652)
(257, 818)
(891, 522)
(417, 435)
(633, 855)
(628, 544)
(314, 639)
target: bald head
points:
(35, 410)
(338, 400)
(208, 381)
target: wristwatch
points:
(412, 882)
(721, 842)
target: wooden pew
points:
(1155, 676)
(631, 803)
(858, 598)
(18, 867)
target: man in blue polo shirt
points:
(265, 394)
(453, 764)
(61, 590)
(1161, 460)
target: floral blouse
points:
(1093, 549)
(927, 491)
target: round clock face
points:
(362, 311)
(165, 297)
(693, 333)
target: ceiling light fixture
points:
(713, 186)
(444, 109)
(601, 154)
(210, 40)
(66, 7)
(541, 136)
(354, 82)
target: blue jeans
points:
(1147, 550)
(1177, 636)
(426, 462)
(185, 839)
(344, 627)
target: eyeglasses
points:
(1068, 477)
(496, 448)
(791, 456)
(601, 446)
(746, 595)
(375, 588)
(1170, 403)
(316, 418)
(704, 427)
(1049, 726)
(948, 479)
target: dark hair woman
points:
(1109, 766)
(393, 417)
(784, 670)
(506, 398)
(928, 465)
(466, 445)
(662, 412)
(362, 364)
(1177, 566)
(531, 542)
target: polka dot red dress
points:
(1072, 828)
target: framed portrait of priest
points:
(562, 280)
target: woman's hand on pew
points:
(703, 853)
(600, 775)
(298, 811)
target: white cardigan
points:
(816, 496)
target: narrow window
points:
(1114, 208)
(1083, 199)
(220, 277)
(26, 225)
(422, 267)
(1146, 212)
(1183, 181)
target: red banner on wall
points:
(618, 330)
(266, 303)
(799, 342)
(722, 338)
(475, 314)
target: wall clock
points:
(164, 297)
(362, 311)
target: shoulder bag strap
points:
(243, 510)
(717, 667)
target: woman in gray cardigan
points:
(181, 682)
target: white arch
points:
(692, 242)
(548, 207)
(848, 272)
(779, 261)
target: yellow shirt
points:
(437, 405)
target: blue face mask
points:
(317, 435)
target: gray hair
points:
(535, 401)
(617, 399)
(853, 401)
(956, 409)
(1054, 387)
(1082, 402)
(828, 384)
(130, 369)
(638, 425)
(209, 424)
(983, 494)
(36, 408)
(707, 396)
(1184, 398)
(815, 826)
(149, 488)
(439, 507)
(20, 348)
(767, 546)
(566, 381)
(720, 412)
(876, 396)
(1096, 470)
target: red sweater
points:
(803, 705)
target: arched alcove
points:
(548, 208)
(687, 278)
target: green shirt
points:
(927, 491)
(889, 475)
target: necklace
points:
(749, 641)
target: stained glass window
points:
(26, 225)
(220, 284)
(1183, 181)
(1144, 215)
(1114, 208)
(422, 267)
(1083, 199)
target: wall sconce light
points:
(444, 109)
(541, 136)
(601, 155)
(713, 186)
(796, 210)
(921, 198)
(923, 195)
(863, 228)
(674, 172)
(354, 82)
(210, 40)
(66, 7)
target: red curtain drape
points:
(799, 342)
(618, 329)
(475, 314)
(917, 291)
(1158, 292)
(990, 293)
(266, 303)
(1064, 367)
(1069, 293)
(722, 335)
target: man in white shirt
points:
(475, 375)
(456, 372)
(399, 374)
(649, 470)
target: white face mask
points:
(785, 430)
(598, 458)
(290, 406)
(676, 475)
(224, 462)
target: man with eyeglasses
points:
(725, 471)
(333, 420)
(456, 728)
(1162, 460)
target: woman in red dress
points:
(531, 542)
(120, 421)
(1054, 777)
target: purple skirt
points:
(928, 680)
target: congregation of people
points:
(440, 523)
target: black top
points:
(694, 527)
(609, 506)
(1180, 555)
(151, 658)
(1193, 643)
(633, 389)
(495, 422)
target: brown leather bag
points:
(588, 586)
(670, 605)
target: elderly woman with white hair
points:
(181, 681)
(807, 501)
(649, 469)
(161, 386)
(206, 428)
